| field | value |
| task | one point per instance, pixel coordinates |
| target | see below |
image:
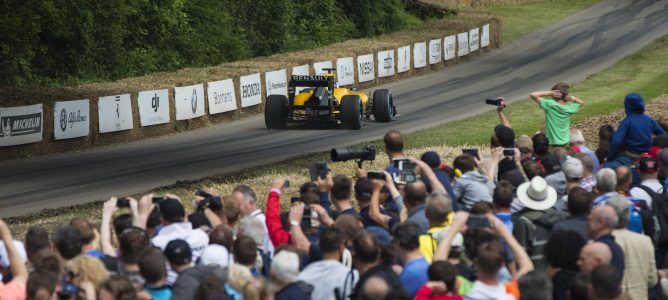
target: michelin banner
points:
(345, 71)
(71, 119)
(221, 96)
(435, 51)
(319, 66)
(385, 63)
(473, 39)
(420, 55)
(403, 59)
(21, 125)
(365, 69)
(189, 101)
(249, 88)
(276, 82)
(484, 38)
(450, 47)
(153, 107)
(115, 113)
(463, 41)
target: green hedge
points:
(66, 42)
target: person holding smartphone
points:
(558, 106)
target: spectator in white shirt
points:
(648, 168)
(173, 217)
(247, 200)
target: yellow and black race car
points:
(321, 100)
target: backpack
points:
(658, 229)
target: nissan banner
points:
(365, 70)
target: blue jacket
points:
(636, 130)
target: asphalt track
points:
(570, 50)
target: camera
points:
(158, 199)
(495, 102)
(471, 151)
(318, 169)
(213, 202)
(406, 170)
(375, 175)
(509, 152)
(343, 154)
(307, 217)
(123, 202)
(477, 221)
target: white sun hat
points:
(536, 194)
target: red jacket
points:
(278, 235)
(424, 293)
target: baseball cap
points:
(505, 135)
(178, 252)
(524, 141)
(572, 168)
(363, 189)
(648, 164)
(431, 158)
(172, 210)
(215, 254)
(381, 234)
(550, 163)
(4, 257)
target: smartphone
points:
(471, 151)
(123, 202)
(295, 199)
(509, 152)
(477, 221)
(495, 102)
(286, 184)
(375, 175)
(157, 199)
(318, 169)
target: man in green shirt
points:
(558, 106)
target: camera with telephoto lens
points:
(407, 172)
(363, 154)
(210, 201)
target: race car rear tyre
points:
(352, 116)
(382, 105)
(276, 112)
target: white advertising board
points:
(385, 63)
(435, 51)
(221, 96)
(474, 39)
(463, 42)
(115, 113)
(300, 70)
(249, 87)
(153, 107)
(450, 47)
(319, 66)
(484, 36)
(365, 68)
(276, 82)
(403, 59)
(21, 125)
(71, 119)
(345, 71)
(189, 101)
(420, 55)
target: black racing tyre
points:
(382, 105)
(352, 116)
(276, 112)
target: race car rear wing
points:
(311, 81)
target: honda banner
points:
(249, 87)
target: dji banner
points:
(403, 59)
(484, 38)
(189, 101)
(435, 51)
(321, 65)
(450, 47)
(115, 113)
(20, 125)
(221, 96)
(345, 71)
(71, 119)
(276, 82)
(420, 55)
(153, 107)
(473, 41)
(385, 63)
(463, 41)
(365, 68)
(249, 87)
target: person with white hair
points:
(577, 139)
(606, 184)
(285, 277)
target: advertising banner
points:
(115, 113)
(435, 51)
(365, 68)
(189, 101)
(249, 87)
(276, 82)
(300, 70)
(71, 119)
(221, 96)
(420, 55)
(450, 48)
(153, 107)
(463, 41)
(385, 63)
(319, 66)
(345, 71)
(484, 38)
(403, 59)
(473, 39)
(21, 125)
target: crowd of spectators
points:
(543, 217)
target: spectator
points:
(89, 235)
(414, 199)
(532, 225)
(245, 254)
(525, 145)
(179, 255)
(471, 186)
(232, 211)
(375, 288)
(329, 277)
(247, 200)
(573, 171)
(588, 181)
(394, 148)
(438, 211)
(407, 241)
(601, 222)
(5, 271)
(640, 270)
(253, 228)
(623, 180)
(132, 243)
(285, 277)
(223, 236)
(648, 168)
(47, 261)
(432, 159)
(368, 194)
(36, 240)
(535, 285)
(635, 131)
(604, 136)
(578, 140)
(553, 173)
(558, 108)
(442, 283)
(579, 205)
(173, 217)
(604, 284)
(86, 268)
(366, 254)
(503, 198)
(540, 144)
(68, 241)
(215, 254)
(16, 288)
(117, 288)
(607, 182)
(42, 285)
(211, 288)
(593, 255)
(153, 269)
(663, 160)
(562, 252)
(278, 235)
(341, 193)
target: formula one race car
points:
(321, 100)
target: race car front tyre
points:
(352, 116)
(276, 112)
(382, 105)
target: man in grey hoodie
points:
(471, 186)
(329, 277)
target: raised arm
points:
(502, 116)
(374, 207)
(537, 95)
(278, 235)
(576, 100)
(521, 256)
(443, 249)
(16, 265)
(298, 237)
(108, 209)
(426, 171)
